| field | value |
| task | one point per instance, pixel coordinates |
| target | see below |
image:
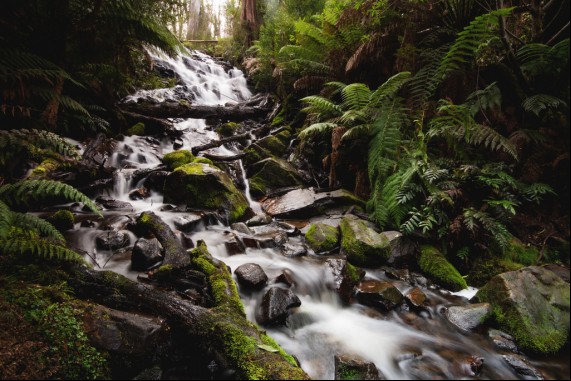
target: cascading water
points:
(402, 345)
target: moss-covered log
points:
(234, 113)
(222, 330)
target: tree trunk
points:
(223, 332)
(249, 20)
(336, 136)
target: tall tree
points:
(249, 20)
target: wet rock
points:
(290, 229)
(273, 145)
(111, 204)
(302, 203)
(502, 340)
(435, 265)
(362, 244)
(188, 222)
(139, 194)
(345, 277)
(155, 181)
(415, 298)
(469, 317)
(532, 304)
(322, 237)
(285, 278)
(88, 224)
(259, 220)
(381, 295)
(186, 241)
(98, 151)
(251, 276)
(233, 244)
(269, 236)
(111, 240)
(354, 368)
(522, 367)
(270, 174)
(403, 250)
(561, 271)
(146, 253)
(424, 368)
(294, 249)
(275, 305)
(241, 227)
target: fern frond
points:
(538, 103)
(484, 99)
(39, 139)
(358, 132)
(5, 220)
(321, 106)
(21, 192)
(496, 230)
(390, 87)
(536, 191)
(478, 32)
(316, 129)
(39, 248)
(355, 96)
(31, 222)
(491, 139)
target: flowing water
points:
(402, 345)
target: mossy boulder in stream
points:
(200, 185)
(175, 159)
(273, 145)
(270, 174)
(531, 304)
(322, 237)
(362, 244)
(434, 265)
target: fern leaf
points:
(316, 129)
(538, 103)
(322, 106)
(390, 87)
(21, 192)
(5, 220)
(355, 96)
(29, 221)
(39, 248)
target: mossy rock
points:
(487, 266)
(519, 252)
(255, 153)
(274, 145)
(532, 305)
(434, 265)
(362, 244)
(62, 220)
(204, 160)
(228, 129)
(322, 237)
(137, 129)
(272, 173)
(175, 159)
(202, 186)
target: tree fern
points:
(22, 192)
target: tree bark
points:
(218, 143)
(249, 20)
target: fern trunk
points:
(336, 136)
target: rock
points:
(285, 278)
(259, 220)
(302, 203)
(469, 317)
(203, 186)
(155, 181)
(146, 253)
(186, 241)
(522, 367)
(175, 159)
(352, 368)
(322, 238)
(502, 340)
(139, 194)
(241, 227)
(345, 277)
(62, 220)
(436, 266)
(275, 305)
(188, 222)
(111, 240)
(273, 145)
(531, 304)
(362, 244)
(111, 204)
(251, 276)
(269, 236)
(381, 295)
(233, 244)
(294, 249)
(403, 250)
(270, 174)
(415, 298)
(561, 271)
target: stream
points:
(401, 344)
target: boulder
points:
(434, 265)
(362, 244)
(354, 368)
(270, 174)
(379, 294)
(272, 144)
(251, 276)
(345, 277)
(203, 186)
(111, 240)
(175, 159)
(187, 222)
(532, 304)
(415, 298)
(322, 238)
(146, 252)
(275, 305)
(469, 317)
(112, 204)
(522, 367)
(502, 340)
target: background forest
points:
(449, 117)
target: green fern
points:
(495, 229)
(40, 248)
(5, 220)
(538, 103)
(36, 224)
(316, 129)
(22, 192)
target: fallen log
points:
(171, 109)
(221, 331)
(224, 158)
(153, 126)
(218, 143)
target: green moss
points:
(273, 145)
(228, 129)
(518, 252)
(44, 169)
(176, 159)
(355, 274)
(437, 267)
(322, 237)
(267, 340)
(204, 160)
(349, 373)
(486, 267)
(62, 220)
(137, 129)
(272, 173)
(284, 136)
(255, 153)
